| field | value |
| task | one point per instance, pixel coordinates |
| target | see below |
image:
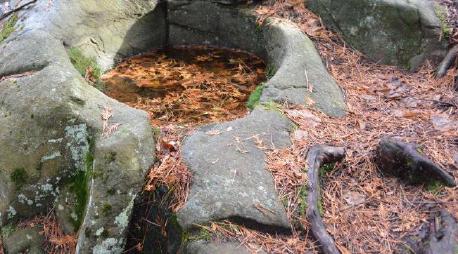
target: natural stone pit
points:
(188, 85)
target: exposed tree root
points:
(403, 160)
(447, 62)
(8, 13)
(317, 156)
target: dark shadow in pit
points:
(149, 32)
(153, 226)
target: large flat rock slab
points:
(227, 162)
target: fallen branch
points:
(447, 61)
(317, 156)
(8, 13)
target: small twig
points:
(316, 157)
(309, 87)
(8, 13)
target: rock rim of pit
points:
(228, 166)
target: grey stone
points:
(437, 235)
(49, 116)
(397, 32)
(230, 180)
(205, 247)
(66, 213)
(107, 30)
(299, 68)
(286, 49)
(28, 240)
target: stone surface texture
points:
(51, 122)
(227, 162)
(397, 32)
(27, 240)
(205, 247)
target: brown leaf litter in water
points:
(187, 85)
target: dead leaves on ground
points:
(170, 170)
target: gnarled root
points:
(447, 61)
(316, 157)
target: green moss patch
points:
(434, 187)
(19, 177)
(83, 63)
(106, 209)
(255, 96)
(270, 71)
(79, 185)
(7, 230)
(326, 168)
(303, 195)
(441, 13)
(202, 234)
(8, 27)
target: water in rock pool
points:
(187, 85)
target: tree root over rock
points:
(447, 62)
(403, 160)
(317, 156)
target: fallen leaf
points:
(354, 198)
(304, 118)
(213, 132)
(443, 123)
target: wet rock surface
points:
(230, 181)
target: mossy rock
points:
(399, 32)
(9, 27)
